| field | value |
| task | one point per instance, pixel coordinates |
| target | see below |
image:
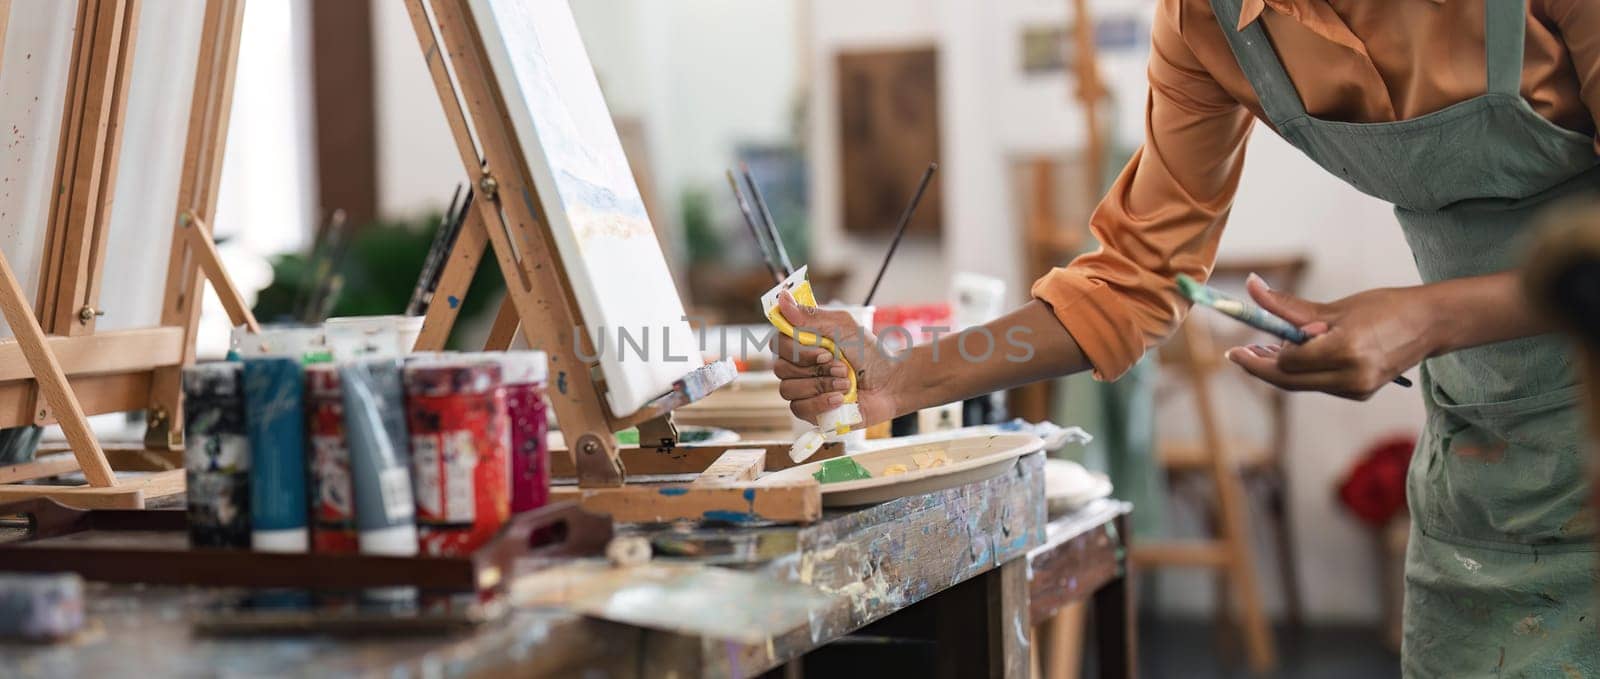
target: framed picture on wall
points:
(889, 129)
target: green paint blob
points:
(840, 469)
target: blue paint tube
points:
(274, 396)
(216, 455)
(380, 456)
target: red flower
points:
(1375, 490)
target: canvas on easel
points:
(99, 321)
(564, 221)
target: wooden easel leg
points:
(465, 256)
(193, 229)
(52, 381)
(1241, 570)
(209, 111)
(504, 330)
(1059, 643)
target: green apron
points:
(1500, 572)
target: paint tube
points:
(333, 518)
(375, 427)
(522, 375)
(460, 441)
(274, 394)
(216, 455)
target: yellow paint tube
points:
(835, 423)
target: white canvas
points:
(166, 52)
(33, 84)
(587, 195)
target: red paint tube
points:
(460, 443)
(522, 373)
(333, 512)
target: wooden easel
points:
(541, 302)
(72, 371)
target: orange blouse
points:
(1352, 60)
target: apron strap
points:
(1505, 30)
(1251, 47)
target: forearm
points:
(1023, 346)
(1468, 312)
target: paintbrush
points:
(755, 231)
(1250, 314)
(327, 281)
(900, 230)
(320, 265)
(766, 217)
(433, 265)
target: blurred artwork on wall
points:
(889, 129)
(1046, 49)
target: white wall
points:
(700, 74)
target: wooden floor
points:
(1188, 649)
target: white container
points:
(372, 336)
(296, 341)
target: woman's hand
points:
(814, 382)
(1359, 343)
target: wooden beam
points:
(131, 494)
(345, 108)
(86, 167)
(209, 111)
(459, 269)
(796, 502)
(504, 330)
(97, 395)
(1199, 555)
(120, 351)
(204, 250)
(52, 381)
(42, 467)
(735, 466)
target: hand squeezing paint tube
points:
(835, 423)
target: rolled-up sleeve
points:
(1164, 214)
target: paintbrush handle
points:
(755, 231)
(1263, 320)
(766, 218)
(900, 230)
(430, 262)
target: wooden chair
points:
(1224, 471)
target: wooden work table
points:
(953, 566)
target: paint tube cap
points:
(467, 375)
(522, 367)
(214, 379)
(398, 540)
(837, 422)
(290, 540)
(806, 445)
